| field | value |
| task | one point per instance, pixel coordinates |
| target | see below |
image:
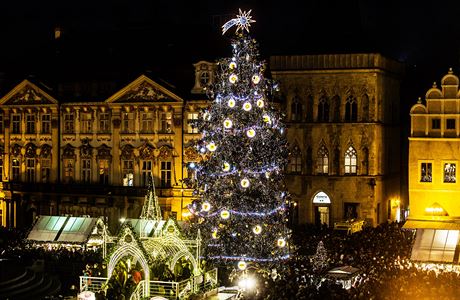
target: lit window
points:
(450, 124)
(68, 170)
(128, 172)
(46, 123)
(450, 173)
(436, 124)
(295, 163)
(191, 170)
(166, 174)
(322, 162)
(15, 170)
(104, 171)
(426, 172)
(350, 161)
(190, 118)
(166, 122)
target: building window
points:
(45, 169)
(1, 169)
(68, 170)
(351, 110)
(323, 110)
(350, 161)
(191, 116)
(426, 172)
(450, 124)
(296, 110)
(104, 122)
(30, 170)
(435, 123)
(127, 122)
(146, 122)
(449, 173)
(165, 174)
(30, 123)
(295, 162)
(322, 162)
(104, 171)
(15, 166)
(69, 125)
(146, 171)
(86, 170)
(128, 172)
(166, 122)
(204, 78)
(16, 123)
(46, 123)
(86, 122)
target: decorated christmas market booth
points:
(154, 256)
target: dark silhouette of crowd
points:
(382, 255)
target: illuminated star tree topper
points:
(243, 21)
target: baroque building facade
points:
(93, 158)
(434, 189)
(342, 115)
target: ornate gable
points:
(143, 89)
(27, 93)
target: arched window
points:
(365, 104)
(295, 161)
(350, 161)
(322, 160)
(310, 108)
(336, 108)
(351, 110)
(296, 109)
(323, 110)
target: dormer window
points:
(204, 76)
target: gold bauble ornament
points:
(244, 182)
(225, 214)
(233, 78)
(257, 229)
(228, 123)
(211, 147)
(206, 206)
(251, 133)
(231, 103)
(247, 106)
(256, 79)
(281, 242)
(232, 65)
(242, 265)
(226, 167)
(260, 103)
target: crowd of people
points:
(382, 254)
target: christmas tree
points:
(320, 259)
(241, 204)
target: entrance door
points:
(322, 215)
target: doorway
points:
(321, 215)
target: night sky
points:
(128, 37)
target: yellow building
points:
(434, 190)
(342, 115)
(89, 158)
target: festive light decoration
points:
(242, 265)
(231, 103)
(245, 182)
(225, 214)
(246, 205)
(211, 147)
(228, 123)
(251, 133)
(247, 106)
(281, 242)
(242, 21)
(206, 207)
(233, 78)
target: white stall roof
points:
(60, 229)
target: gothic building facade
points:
(60, 157)
(342, 115)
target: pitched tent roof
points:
(58, 229)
